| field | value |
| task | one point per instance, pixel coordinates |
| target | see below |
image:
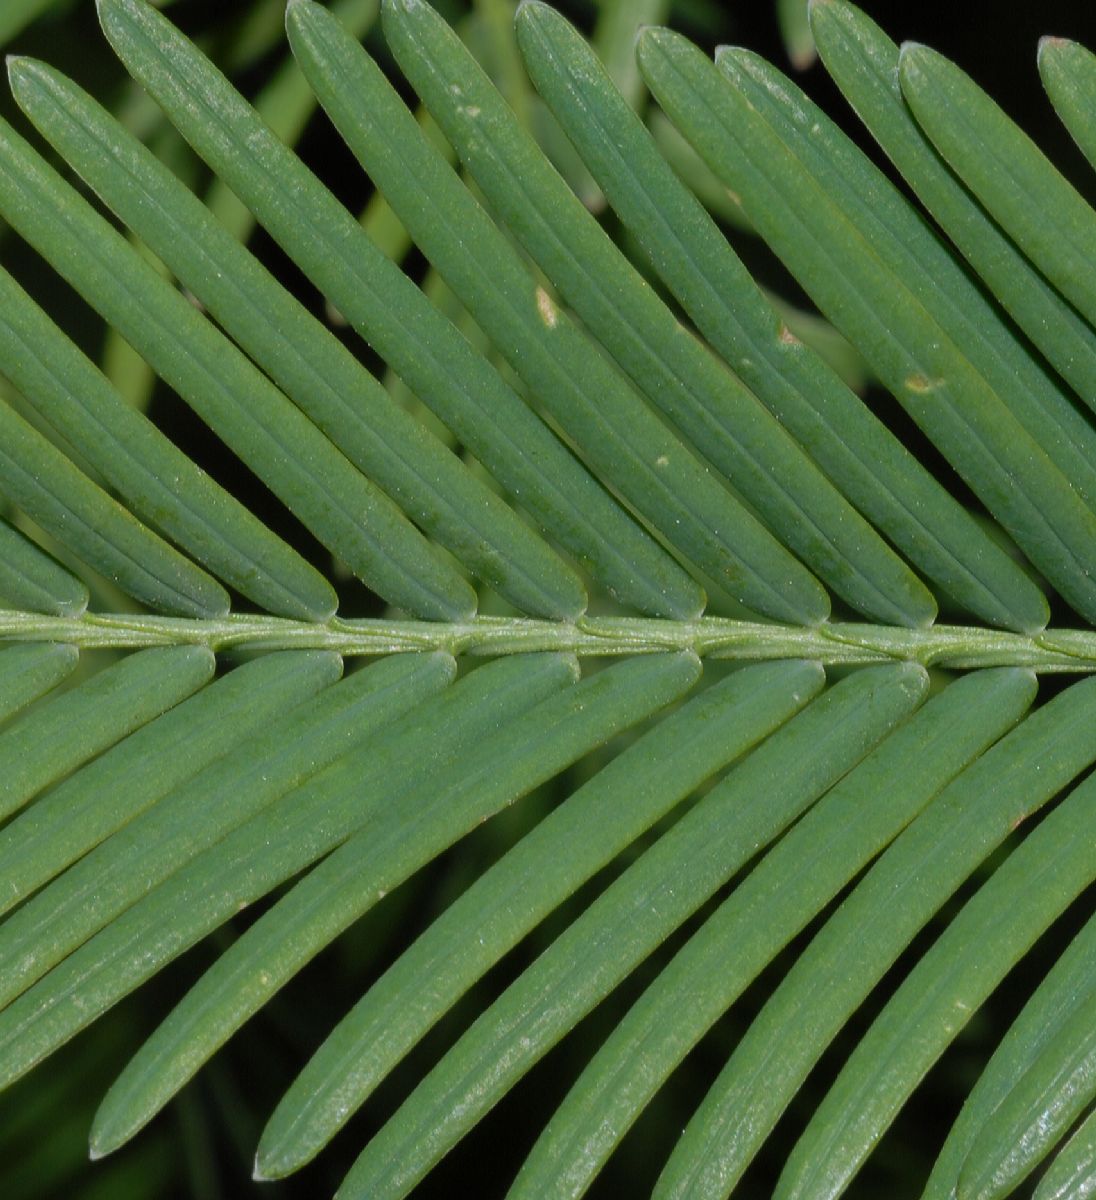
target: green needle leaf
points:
(880, 276)
(286, 103)
(46, 743)
(301, 825)
(819, 336)
(613, 429)
(343, 509)
(1068, 70)
(859, 455)
(1069, 983)
(198, 813)
(389, 310)
(302, 356)
(699, 179)
(864, 63)
(158, 482)
(30, 671)
(794, 881)
(347, 884)
(54, 493)
(1018, 185)
(1054, 1091)
(152, 763)
(978, 343)
(910, 882)
(1072, 1175)
(607, 942)
(389, 236)
(547, 865)
(723, 421)
(575, 410)
(31, 580)
(1049, 869)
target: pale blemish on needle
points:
(547, 309)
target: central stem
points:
(953, 647)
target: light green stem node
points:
(953, 647)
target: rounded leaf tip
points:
(651, 35)
(276, 1160)
(1050, 42)
(108, 8)
(23, 67)
(104, 1140)
(818, 9)
(295, 10)
(112, 14)
(910, 50)
(643, 30)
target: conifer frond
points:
(626, 550)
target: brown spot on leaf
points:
(921, 384)
(787, 337)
